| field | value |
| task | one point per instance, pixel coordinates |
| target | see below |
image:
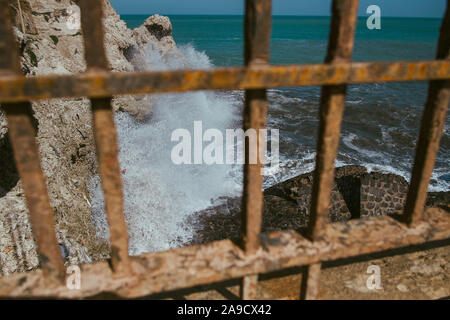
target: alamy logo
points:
(374, 281)
(213, 152)
(374, 21)
(73, 22)
(73, 281)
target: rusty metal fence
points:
(186, 267)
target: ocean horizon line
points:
(274, 15)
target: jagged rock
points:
(53, 44)
(3, 125)
(155, 35)
(439, 200)
(119, 39)
(135, 106)
(155, 29)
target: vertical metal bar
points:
(105, 135)
(432, 127)
(332, 103)
(22, 132)
(249, 287)
(257, 33)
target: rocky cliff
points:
(50, 42)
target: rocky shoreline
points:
(356, 193)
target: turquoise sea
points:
(381, 121)
(303, 39)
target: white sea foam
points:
(348, 141)
(436, 186)
(279, 98)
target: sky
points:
(389, 8)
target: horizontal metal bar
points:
(103, 84)
(222, 260)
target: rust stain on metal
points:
(92, 25)
(17, 88)
(23, 132)
(105, 135)
(257, 40)
(431, 131)
(332, 103)
(257, 32)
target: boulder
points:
(155, 29)
(155, 36)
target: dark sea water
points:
(381, 121)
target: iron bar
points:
(257, 33)
(332, 104)
(105, 135)
(14, 88)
